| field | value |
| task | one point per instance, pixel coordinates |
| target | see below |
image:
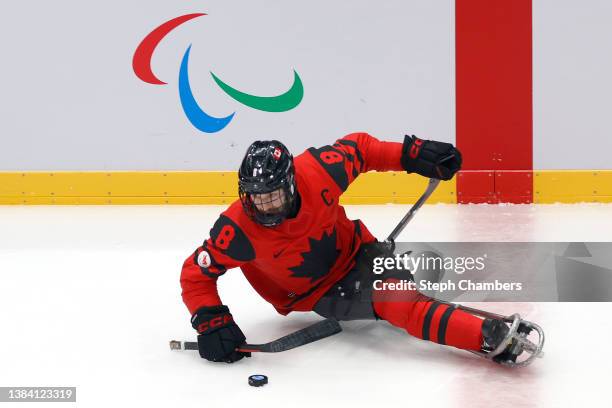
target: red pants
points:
(427, 319)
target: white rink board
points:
(71, 100)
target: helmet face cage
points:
(266, 183)
(253, 207)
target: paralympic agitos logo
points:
(204, 122)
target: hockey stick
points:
(314, 332)
(433, 183)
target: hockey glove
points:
(430, 158)
(218, 335)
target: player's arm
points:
(425, 157)
(226, 248)
(199, 276)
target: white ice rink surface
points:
(90, 296)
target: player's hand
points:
(429, 158)
(218, 335)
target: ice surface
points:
(89, 297)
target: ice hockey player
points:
(297, 248)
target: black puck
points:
(258, 380)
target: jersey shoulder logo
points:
(204, 259)
(206, 262)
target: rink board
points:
(217, 187)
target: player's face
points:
(269, 203)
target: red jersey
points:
(293, 264)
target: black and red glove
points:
(429, 158)
(218, 335)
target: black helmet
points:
(266, 168)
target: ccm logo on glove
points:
(415, 148)
(214, 323)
